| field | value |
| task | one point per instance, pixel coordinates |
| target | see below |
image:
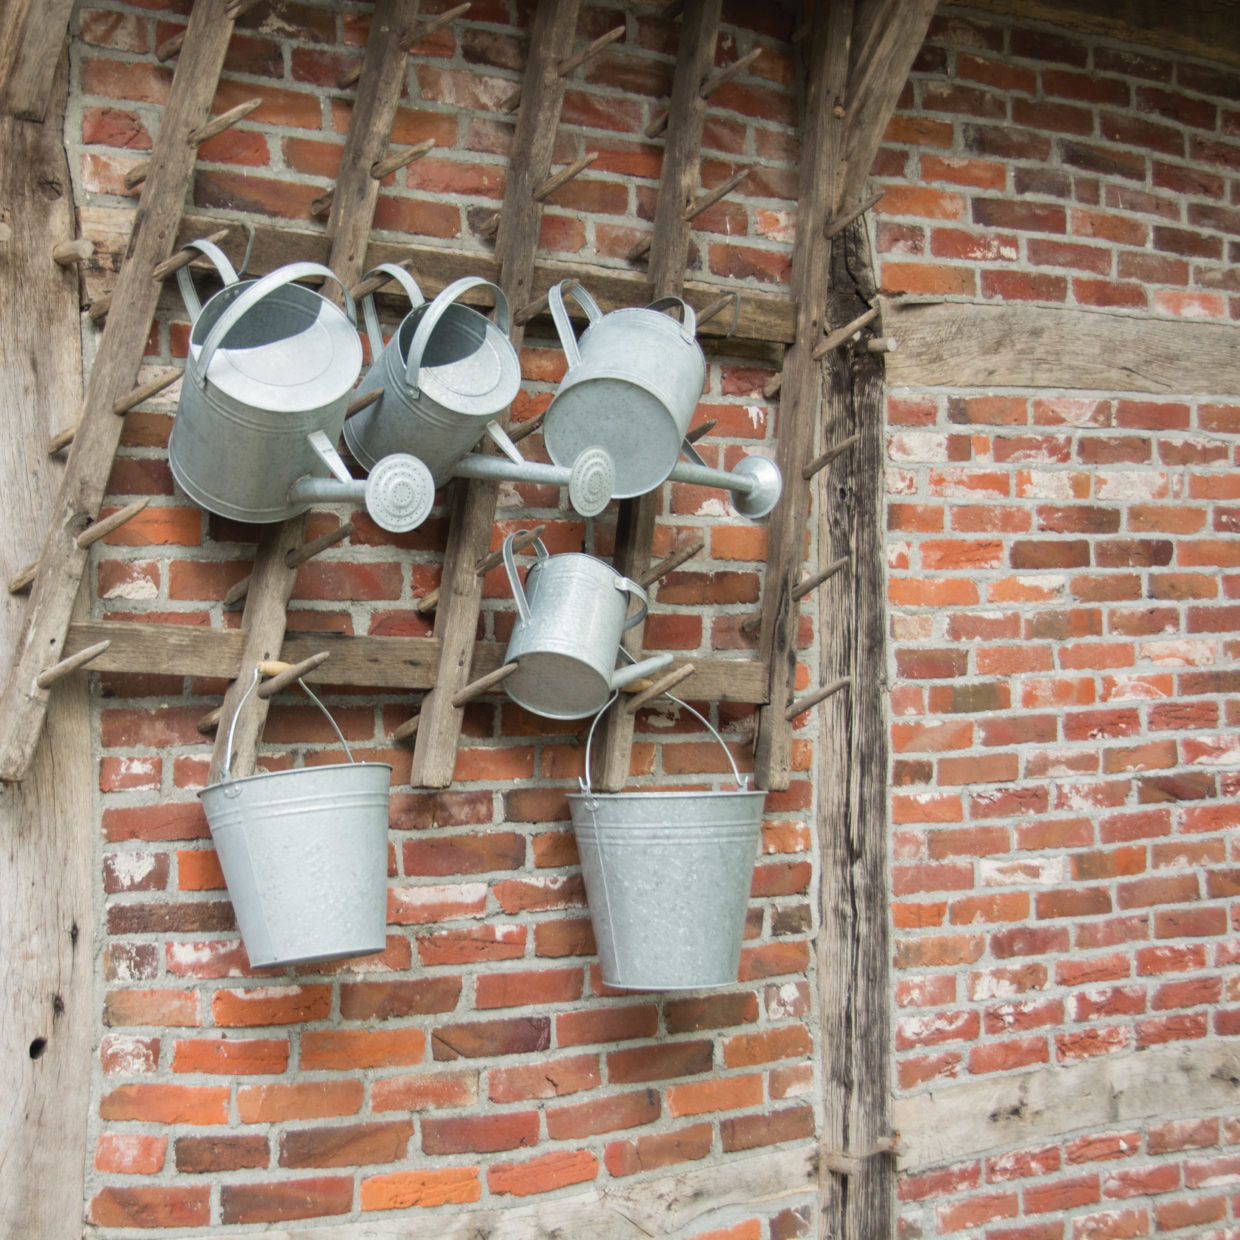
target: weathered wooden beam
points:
(100, 306)
(32, 37)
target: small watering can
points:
(572, 613)
(270, 363)
(634, 379)
(446, 372)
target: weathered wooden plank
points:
(46, 873)
(473, 501)
(62, 562)
(669, 256)
(392, 663)
(1019, 1109)
(962, 344)
(32, 37)
(637, 1208)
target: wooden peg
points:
(372, 284)
(49, 676)
(800, 590)
(833, 227)
(657, 124)
(532, 309)
(770, 389)
(298, 555)
(62, 439)
(639, 248)
(728, 72)
(566, 174)
(706, 201)
(705, 428)
(718, 306)
(882, 344)
(841, 334)
(21, 580)
(571, 63)
(196, 137)
(210, 721)
(528, 427)
(670, 564)
(358, 403)
(418, 35)
(483, 683)
(821, 462)
(490, 226)
(819, 695)
(659, 687)
(395, 160)
(493, 559)
(284, 674)
(406, 729)
(183, 258)
(101, 529)
(66, 253)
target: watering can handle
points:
(633, 590)
(407, 282)
(438, 308)
(510, 565)
(559, 316)
(688, 328)
(257, 291)
(742, 782)
(185, 278)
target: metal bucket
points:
(633, 381)
(667, 877)
(270, 362)
(446, 372)
(304, 854)
(572, 612)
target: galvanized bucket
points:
(446, 372)
(668, 876)
(633, 381)
(572, 612)
(304, 854)
(270, 362)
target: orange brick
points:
(400, 1190)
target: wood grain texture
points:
(669, 255)
(114, 373)
(32, 37)
(473, 502)
(46, 863)
(963, 344)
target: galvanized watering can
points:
(634, 379)
(270, 363)
(571, 615)
(667, 877)
(304, 854)
(447, 371)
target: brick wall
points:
(479, 1059)
(1063, 628)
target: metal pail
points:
(572, 612)
(634, 379)
(304, 854)
(270, 361)
(668, 877)
(447, 371)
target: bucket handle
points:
(438, 308)
(688, 326)
(226, 768)
(407, 282)
(257, 291)
(185, 278)
(742, 781)
(559, 316)
(518, 591)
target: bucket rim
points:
(293, 770)
(669, 795)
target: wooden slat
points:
(959, 344)
(271, 583)
(47, 875)
(473, 501)
(669, 253)
(32, 37)
(62, 562)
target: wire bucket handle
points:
(226, 768)
(742, 781)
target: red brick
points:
(346, 1145)
(747, 1132)
(660, 1150)
(231, 1057)
(151, 1206)
(166, 1104)
(343, 1050)
(547, 1079)
(130, 1153)
(1062, 1195)
(543, 1173)
(519, 1035)
(286, 1199)
(484, 1134)
(277, 1005)
(602, 1115)
(258, 1104)
(197, 1155)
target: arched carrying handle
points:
(438, 308)
(185, 278)
(510, 565)
(257, 291)
(563, 324)
(373, 332)
(688, 319)
(634, 591)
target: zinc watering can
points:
(270, 370)
(634, 378)
(572, 612)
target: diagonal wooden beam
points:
(32, 37)
(473, 501)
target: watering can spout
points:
(626, 675)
